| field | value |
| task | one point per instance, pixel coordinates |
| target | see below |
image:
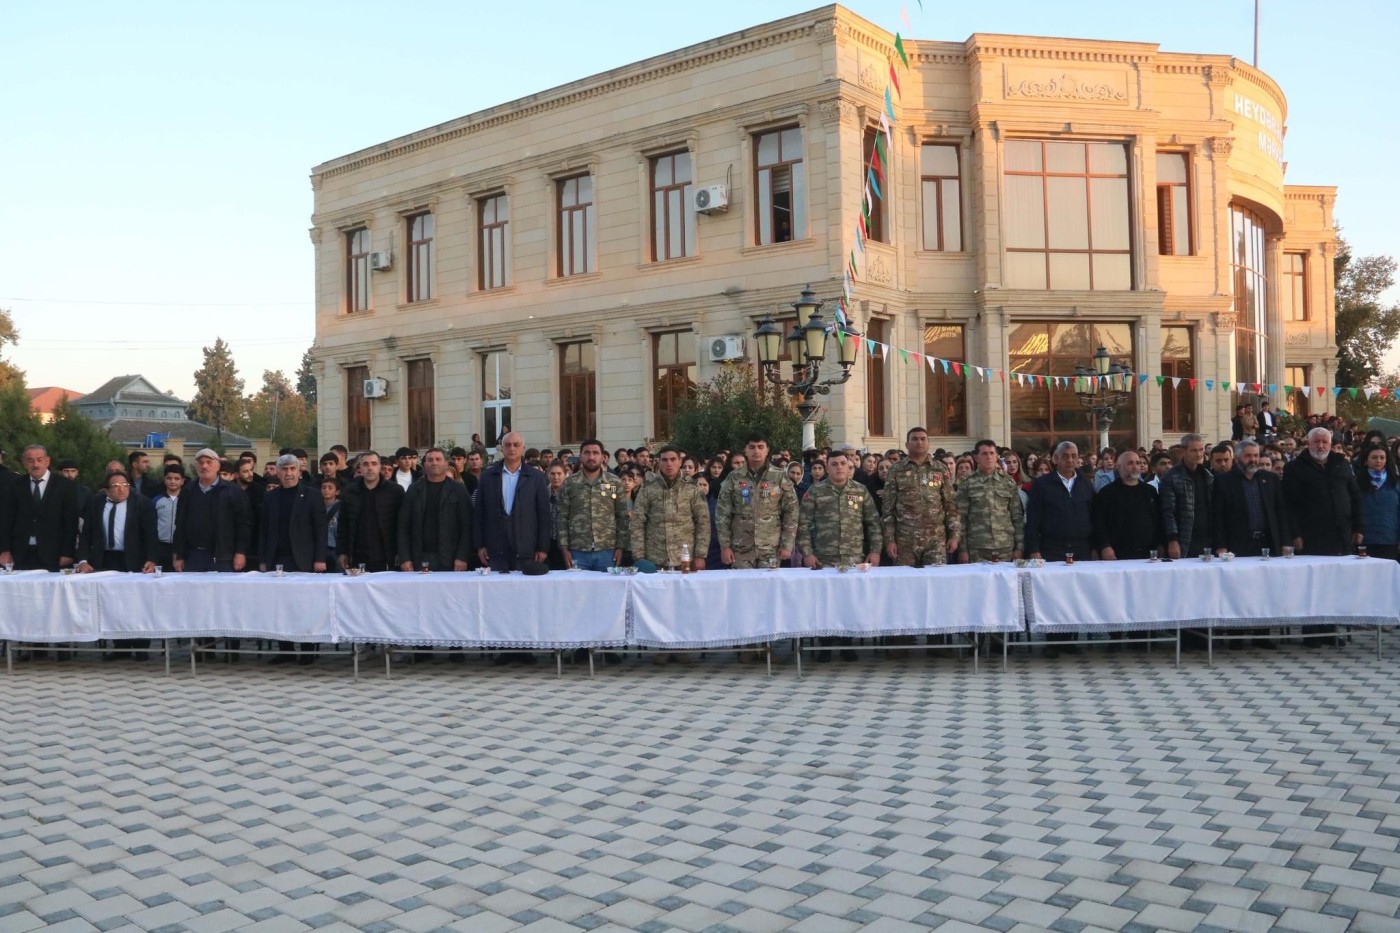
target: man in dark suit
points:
(137, 463)
(369, 519)
(40, 526)
(435, 520)
(1059, 517)
(1322, 499)
(1058, 512)
(511, 522)
(119, 533)
(293, 534)
(211, 522)
(1246, 516)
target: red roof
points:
(46, 398)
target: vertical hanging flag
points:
(899, 47)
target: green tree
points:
(279, 411)
(74, 436)
(1366, 327)
(218, 398)
(306, 377)
(1357, 407)
(730, 407)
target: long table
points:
(710, 609)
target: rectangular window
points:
(1250, 285)
(942, 197)
(356, 409)
(1046, 413)
(493, 252)
(781, 182)
(1178, 398)
(876, 227)
(1067, 216)
(575, 232)
(1299, 377)
(674, 369)
(421, 421)
(357, 270)
(1293, 290)
(420, 256)
(578, 399)
(1174, 205)
(497, 371)
(945, 392)
(672, 220)
(877, 422)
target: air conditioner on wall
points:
(381, 260)
(710, 199)
(376, 388)
(726, 349)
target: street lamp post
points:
(807, 348)
(1101, 401)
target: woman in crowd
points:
(799, 478)
(965, 467)
(689, 468)
(818, 471)
(1380, 502)
(711, 492)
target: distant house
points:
(132, 410)
(43, 400)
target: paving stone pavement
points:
(1097, 791)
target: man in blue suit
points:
(510, 520)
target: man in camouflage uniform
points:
(592, 513)
(757, 511)
(993, 519)
(839, 523)
(668, 513)
(920, 507)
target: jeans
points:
(592, 560)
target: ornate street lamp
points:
(807, 348)
(1101, 401)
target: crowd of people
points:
(1332, 492)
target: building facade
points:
(542, 264)
(137, 414)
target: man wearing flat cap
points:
(211, 521)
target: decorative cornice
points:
(568, 95)
(315, 234)
(1218, 76)
(1067, 87)
(838, 110)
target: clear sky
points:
(155, 156)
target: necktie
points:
(38, 496)
(112, 526)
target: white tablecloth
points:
(1247, 592)
(294, 607)
(49, 607)
(743, 607)
(557, 610)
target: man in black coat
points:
(119, 533)
(137, 463)
(511, 522)
(39, 526)
(119, 530)
(1126, 518)
(435, 522)
(211, 522)
(1246, 516)
(1322, 499)
(369, 519)
(1058, 513)
(293, 534)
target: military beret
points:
(645, 566)
(534, 568)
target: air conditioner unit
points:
(381, 260)
(726, 349)
(376, 388)
(711, 199)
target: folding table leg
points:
(9, 657)
(388, 655)
(797, 650)
(559, 664)
(1004, 639)
(194, 670)
(590, 662)
(976, 653)
(1178, 646)
(1210, 647)
(167, 656)
(768, 656)
(355, 659)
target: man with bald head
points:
(511, 518)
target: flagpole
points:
(1256, 33)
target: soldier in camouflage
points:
(920, 507)
(668, 513)
(838, 521)
(757, 511)
(993, 519)
(592, 513)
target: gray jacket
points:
(1177, 494)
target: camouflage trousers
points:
(755, 558)
(922, 554)
(988, 555)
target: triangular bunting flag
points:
(1210, 385)
(1272, 388)
(903, 356)
(1336, 391)
(885, 352)
(1160, 380)
(886, 129)
(899, 47)
(933, 365)
(889, 106)
(917, 357)
(1142, 379)
(1176, 382)
(894, 80)
(1370, 393)
(1287, 390)
(1321, 390)
(874, 184)
(1225, 386)
(876, 165)
(870, 346)
(904, 17)
(1352, 392)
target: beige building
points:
(543, 264)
